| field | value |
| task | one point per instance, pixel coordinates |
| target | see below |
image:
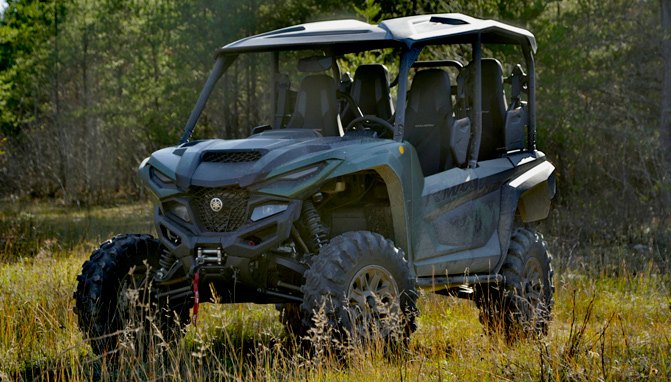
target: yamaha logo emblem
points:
(216, 204)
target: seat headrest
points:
(492, 73)
(430, 88)
(370, 89)
(368, 72)
(316, 106)
(315, 64)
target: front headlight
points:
(303, 173)
(178, 210)
(290, 179)
(297, 182)
(267, 210)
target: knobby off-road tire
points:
(521, 306)
(360, 289)
(115, 299)
(291, 318)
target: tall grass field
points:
(611, 322)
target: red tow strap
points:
(196, 298)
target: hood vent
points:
(232, 156)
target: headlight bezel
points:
(160, 178)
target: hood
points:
(221, 163)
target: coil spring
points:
(167, 259)
(318, 233)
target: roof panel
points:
(405, 30)
(425, 28)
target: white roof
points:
(353, 35)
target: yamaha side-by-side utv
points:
(350, 193)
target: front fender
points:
(399, 168)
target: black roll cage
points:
(408, 58)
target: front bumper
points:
(250, 240)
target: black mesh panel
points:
(220, 209)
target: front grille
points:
(233, 204)
(232, 156)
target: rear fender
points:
(534, 190)
(526, 197)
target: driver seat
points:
(370, 91)
(316, 106)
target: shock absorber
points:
(167, 265)
(318, 234)
(166, 260)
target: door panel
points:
(459, 222)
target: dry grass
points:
(606, 327)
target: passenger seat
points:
(493, 105)
(428, 117)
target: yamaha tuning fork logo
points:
(216, 204)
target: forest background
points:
(88, 88)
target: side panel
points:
(466, 216)
(453, 222)
(459, 219)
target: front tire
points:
(114, 293)
(522, 306)
(364, 287)
(291, 319)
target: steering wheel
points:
(371, 122)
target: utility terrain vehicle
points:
(350, 193)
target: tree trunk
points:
(665, 107)
(63, 144)
(665, 120)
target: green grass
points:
(606, 326)
(29, 229)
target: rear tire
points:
(115, 299)
(365, 289)
(522, 305)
